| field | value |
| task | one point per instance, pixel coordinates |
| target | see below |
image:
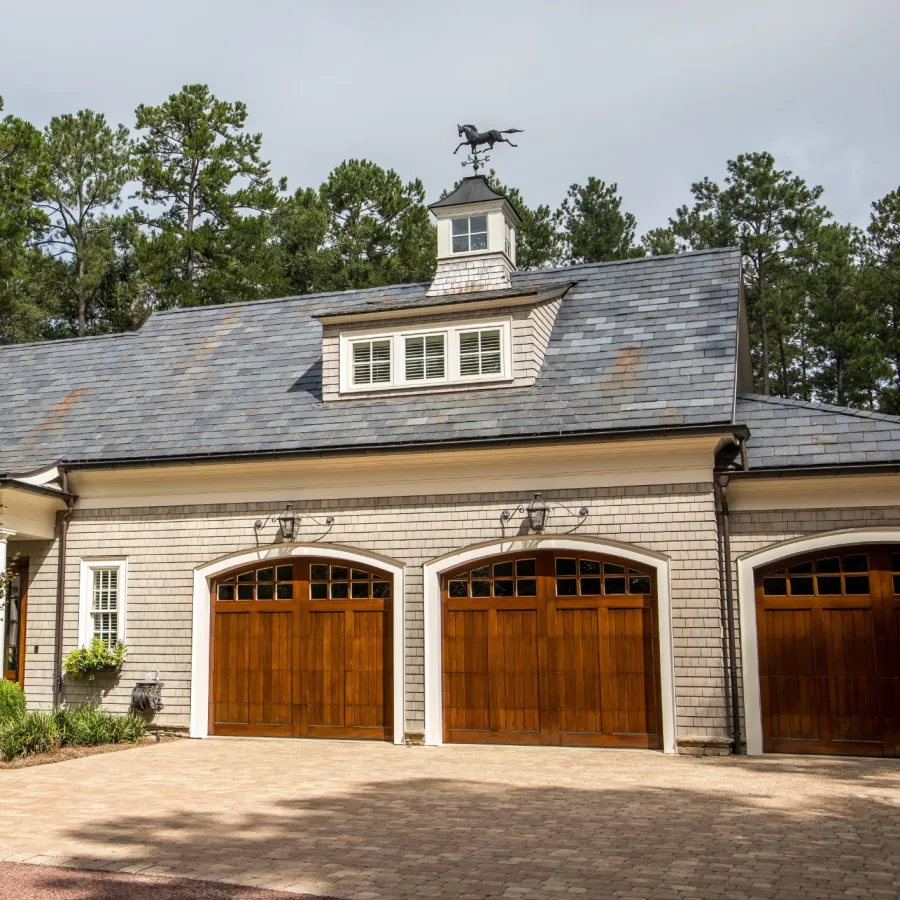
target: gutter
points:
(726, 581)
(14, 484)
(740, 432)
(64, 518)
(811, 471)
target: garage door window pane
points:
(856, 563)
(829, 584)
(776, 587)
(856, 584)
(802, 587)
(527, 587)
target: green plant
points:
(12, 700)
(79, 726)
(98, 657)
(34, 732)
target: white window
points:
(508, 244)
(102, 602)
(479, 352)
(372, 362)
(417, 357)
(425, 357)
(470, 234)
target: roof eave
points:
(621, 434)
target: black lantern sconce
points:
(287, 524)
(538, 512)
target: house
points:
(507, 507)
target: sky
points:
(651, 94)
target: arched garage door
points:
(829, 653)
(301, 648)
(551, 648)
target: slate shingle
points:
(639, 343)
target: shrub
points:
(34, 732)
(12, 700)
(88, 661)
(80, 726)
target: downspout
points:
(722, 511)
(61, 588)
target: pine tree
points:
(208, 244)
(595, 228)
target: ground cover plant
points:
(25, 733)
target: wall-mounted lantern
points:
(538, 512)
(287, 523)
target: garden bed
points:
(62, 754)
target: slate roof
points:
(794, 433)
(637, 344)
(473, 189)
(548, 291)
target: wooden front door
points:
(302, 648)
(14, 623)
(551, 648)
(829, 653)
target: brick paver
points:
(368, 820)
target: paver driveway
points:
(371, 820)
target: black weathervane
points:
(475, 139)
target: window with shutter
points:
(105, 605)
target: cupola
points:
(476, 235)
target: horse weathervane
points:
(475, 139)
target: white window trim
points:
(85, 620)
(469, 233)
(452, 374)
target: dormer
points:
(476, 239)
(470, 341)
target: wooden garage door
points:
(302, 649)
(829, 653)
(551, 648)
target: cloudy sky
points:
(652, 94)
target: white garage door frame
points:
(746, 574)
(434, 708)
(201, 619)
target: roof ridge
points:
(54, 342)
(818, 407)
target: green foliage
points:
(207, 243)
(12, 700)
(595, 227)
(81, 726)
(26, 735)
(769, 213)
(97, 657)
(660, 242)
(87, 165)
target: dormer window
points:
(470, 234)
(425, 357)
(371, 362)
(479, 352)
(420, 358)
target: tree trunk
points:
(764, 322)
(785, 383)
(82, 303)
(839, 375)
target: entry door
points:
(14, 627)
(828, 646)
(551, 648)
(302, 649)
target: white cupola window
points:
(470, 233)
